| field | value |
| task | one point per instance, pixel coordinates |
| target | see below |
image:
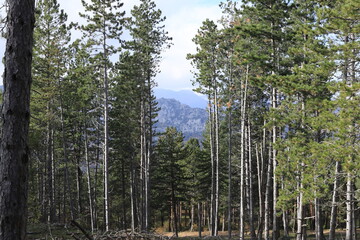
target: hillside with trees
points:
(279, 153)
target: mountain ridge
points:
(187, 97)
(190, 121)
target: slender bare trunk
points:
(192, 217)
(106, 130)
(285, 217)
(200, 215)
(229, 174)
(299, 215)
(212, 157)
(132, 195)
(142, 163)
(275, 234)
(250, 183)
(319, 233)
(217, 146)
(349, 208)
(242, 156)
(88, 175)
(334, 203)
(267, 200)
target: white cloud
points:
(184, 18)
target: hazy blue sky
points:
(184, 17)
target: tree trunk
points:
(132, 195)
(319, 233)
(267, 200)
(212, 157)
(334, 203)
(106, 131)
(285, 216)
(174, 212)
(14, 151)
(242, 156)
(260, 174)
(275, 233)
(349, 208)
(217, 162)
(250, 186)
(192, 217)
(299, 207)
(229, 174)
(199, 219)
(88, 175)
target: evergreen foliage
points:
(281, 147)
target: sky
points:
(183, 19)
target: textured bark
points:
(14, 152)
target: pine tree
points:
(205, 61)
(14, 150)
(149, 39)
(168, 173)
(51, 37)
(104, 24)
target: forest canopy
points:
(280, 153)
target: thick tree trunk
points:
(15, 115)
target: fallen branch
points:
(75, 224)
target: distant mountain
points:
(187, 97)
(190, 121)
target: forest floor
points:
(59, 231)
(340, 235)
